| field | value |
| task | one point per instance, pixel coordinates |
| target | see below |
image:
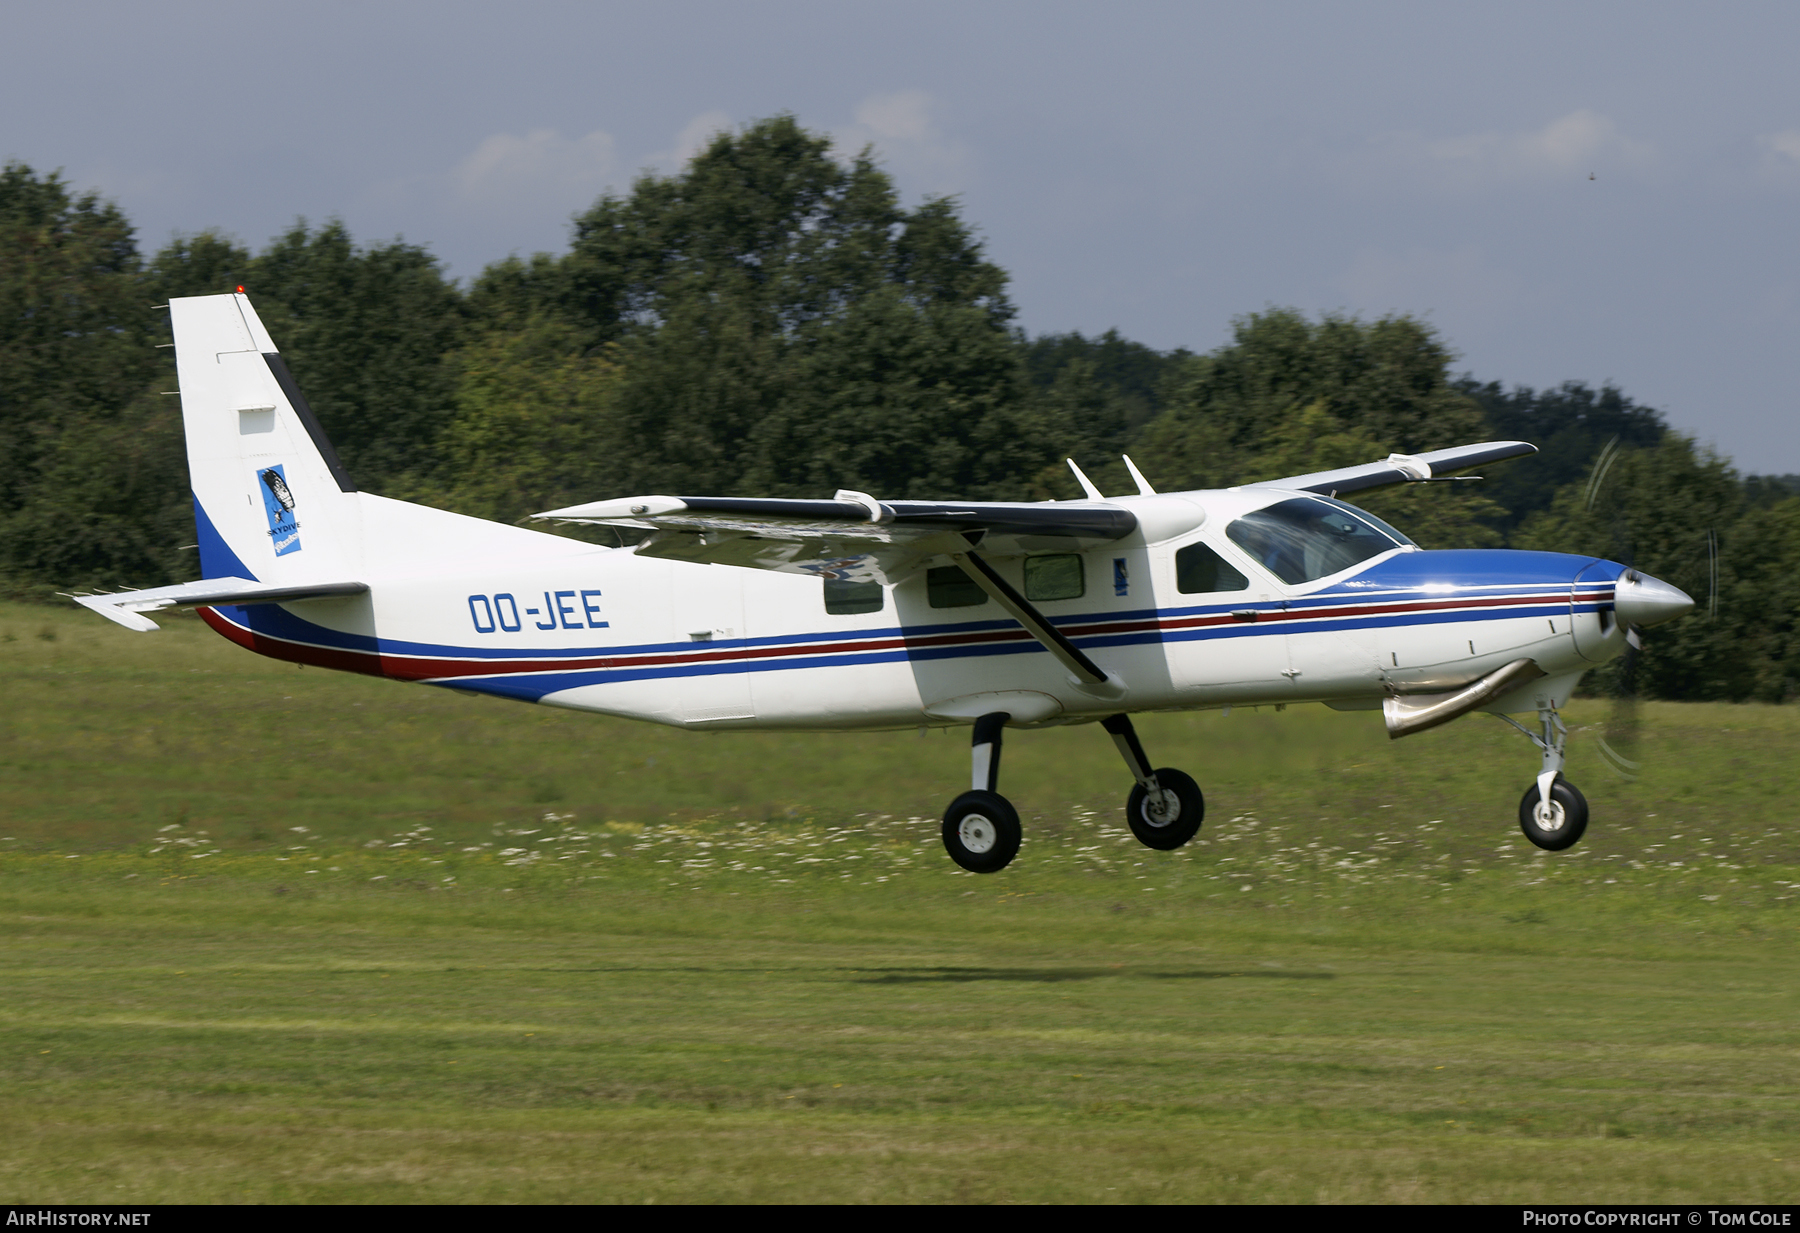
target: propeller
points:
(1619, 738)
(1640, 602)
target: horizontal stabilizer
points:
(125, 606)
(852, 537)
(1401, 468)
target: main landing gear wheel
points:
(981, 831)
(1558, 826)
(1173, 819)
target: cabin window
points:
(851, 598)
(948, 587)
(1055, 577)
(1199, 571)
(1310, 537)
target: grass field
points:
(274, 934)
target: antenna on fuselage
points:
(1087, 485)
(1144, 489)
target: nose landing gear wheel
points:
(1559, 826)
(981, 831)
(1167, 823)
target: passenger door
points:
(1221, 628)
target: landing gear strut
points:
(981, 828)
(1165, 810)
(1552, 813)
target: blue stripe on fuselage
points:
(1406, 578)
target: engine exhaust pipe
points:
(1405, 716)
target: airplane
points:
(859, 613)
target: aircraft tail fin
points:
(271, 499)
(272, 502)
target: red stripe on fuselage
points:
(297, 652)
(1266, 615)
(422, 668)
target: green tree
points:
(74, 323)
(786, 327)
(1760, 598)
(1113, 385)
(93, 486)
(1105, 389)
(1677, 513)
(367, 332)
(1571, 425)
(902, 398)
(87, 483)
(531, 408)
(108, 505)
(208, 263)
(1289, 395)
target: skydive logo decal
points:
(278, 504)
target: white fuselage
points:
(718, 646)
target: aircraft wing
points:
(852, 537)
(1401, 468)
(124, 606)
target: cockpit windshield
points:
(1312, 537)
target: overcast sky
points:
(1567, 191)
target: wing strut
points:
(1086, 672)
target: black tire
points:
(1567, 820)
(1175, 827)
(982, 832)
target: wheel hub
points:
(1549, 818)
(977, 833)
(1162, 808)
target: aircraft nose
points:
(1641, 600)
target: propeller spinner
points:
(1642, 601)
